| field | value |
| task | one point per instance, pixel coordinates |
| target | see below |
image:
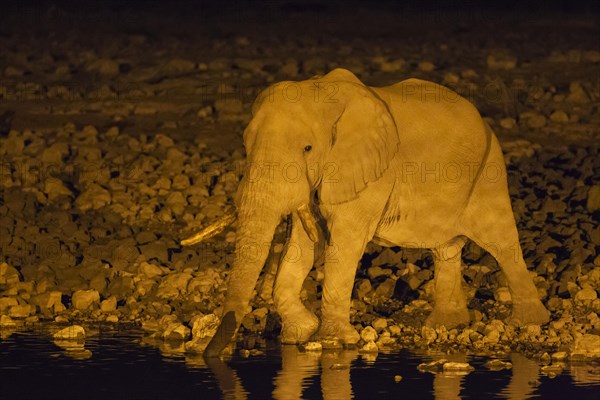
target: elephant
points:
(412, 164)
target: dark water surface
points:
(120, 366)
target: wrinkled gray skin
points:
(411, 165)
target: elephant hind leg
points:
(494, 229)
(298, 323)
(450, 308)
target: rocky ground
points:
(116, 145)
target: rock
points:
(397, 378)
(73, 332)
(508, 123)
(150, 270)
(179, 66)
(205, 326)
(533, 330)
(7, 322)
(586, 346)
(497, 365)
(432, 366)
(93, 198)
(109, 305)
(157, 250)
(228, 108)
(174, 283)
(559, 356)
(586, 296)
(103, 67)
(385, 289)
(368, 334)
(379, 324)
(362, 288)
(21, 311)
(376, 272)
(428, 334)
(112, 319)
(370, 347)
(553, 369)
(593, 199)
(176, 331)
(54, 187)
(84, 299)
(313, 346)
(533, 119)
(502, 295)
(577, 94)
(7, 302)
(501, 59)
(145, 109)
(457, 366)
(559, 117)
(426, 66)
(48, 300)
(8, 275)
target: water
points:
(120, 366)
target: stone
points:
(93, 198)
(533, 330)
(112, 318)
(497, 365)
(179, 66)
(103, 67)
(313, 346)
(73, 332)
(369, 334)
(577, 94)
(84, 299)
(559, 117)
(502, 295)
(21, 311)
(54, 187)
(397, 378)
(379, 324)
(177, 281)
(7, 302)
(205, 326)
(593, 199)
(426, 66)
(176, 331)
(386, 289)
(457, 366)
(9, 275)
(7, 322)
(362, 288)
(508, 123)
(429, 334)
(559, 356)
(150, 270)
(370, 347)
(48, 300)
(586, 296)
(109, 305)
(501, 59)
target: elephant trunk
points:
(259, 212)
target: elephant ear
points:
(364, 141)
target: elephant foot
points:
(299, 329)
(344, 332)
(448, 317)
(528, 312)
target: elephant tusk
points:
(213, 229)
(309, 223)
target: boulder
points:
(84, 299)
(73, 332)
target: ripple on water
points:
(117, 365)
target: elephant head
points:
(320, 140)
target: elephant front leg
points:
(342, 260)
(450, 308)
(298, 323)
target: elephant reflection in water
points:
(298, 368)
(522, 384)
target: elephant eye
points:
(307, 148)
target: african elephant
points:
(411, 164)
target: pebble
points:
(313, 346)
(559, 116)
(369, 334)
(501, 59)
(497, 365)
(84, 299)
(73, 332)
(593, 198)
(397, 378)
